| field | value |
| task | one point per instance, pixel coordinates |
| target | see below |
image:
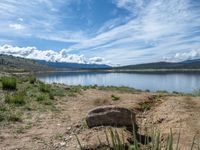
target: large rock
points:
(111, 116)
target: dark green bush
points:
(17, 98)
(115, 98)
(32, 79)
(14, 117)
(41, 98)
(45, 88)
(9, 83)
(144, 106)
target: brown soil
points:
(55, 130)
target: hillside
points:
(18, 64)
(189, 64)
(67, 65)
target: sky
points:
(115, 32)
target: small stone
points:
(62, 144)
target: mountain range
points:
(12, 63)
(187, 64)
(68, 65)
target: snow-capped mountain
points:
(49, 55)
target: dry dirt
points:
(55, 130)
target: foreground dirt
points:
(55, 130)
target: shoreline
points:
(145, 71)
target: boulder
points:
(111, 116)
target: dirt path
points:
(55, 130)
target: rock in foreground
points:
(110, 116)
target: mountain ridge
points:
(187, 64)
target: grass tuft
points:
(45, 88)
(9, 83)
(115, 98)
(18, 98)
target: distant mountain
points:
(65, 65)
(188, 64)
(18, 64)
(49, 55)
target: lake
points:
(180, 82)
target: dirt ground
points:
(55, 130)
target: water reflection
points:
(181, 82)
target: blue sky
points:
(118, 31)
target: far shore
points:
(144, 71)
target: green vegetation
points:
(6, 114)
(44, 88)
(18, 98)
(115, 98)
(119, 89)
(31, 95)
(145, 106)
(152, 141)
(32, 79)
(9, 83)
(16, 64)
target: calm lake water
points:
(180, 82)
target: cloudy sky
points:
(102, 31)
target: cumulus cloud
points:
(193, 54)
(49, 55)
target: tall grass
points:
(9, 83)
(18, 98)
(155, 142)
(45, 88)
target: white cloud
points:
(38, 19)
(193, 54)
(130, 5)
(161, 28)
(17, 26)
(49, 55)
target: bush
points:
(32, 80)
(45, 88)
(115, 98)
(144, 106)
(41, 98)
(16, 98)
(9, 83)
(58, 91)
(14, 117)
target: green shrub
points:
(9, 83)
(41, 97)
(8, 115)
(115, 98)
(15, 117)
(45, 88)
(122, 89)
(32, 79)
(58, 91)
(17, 98)
(51, 95)
(144, 106)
